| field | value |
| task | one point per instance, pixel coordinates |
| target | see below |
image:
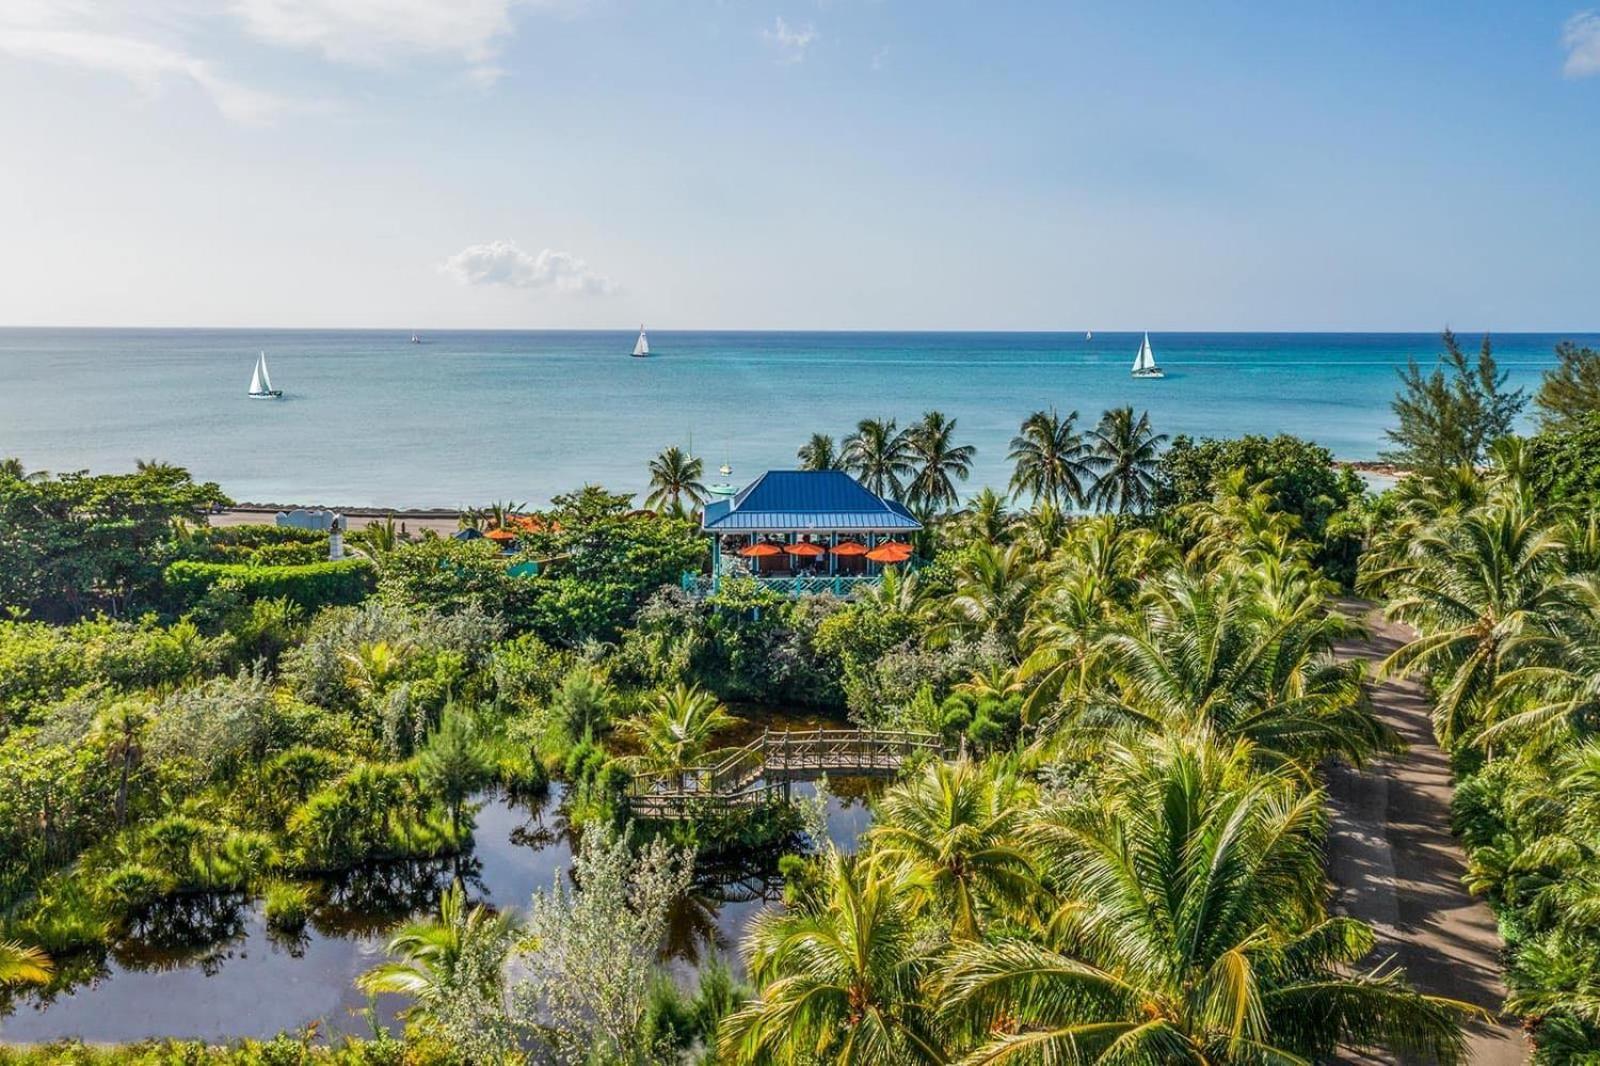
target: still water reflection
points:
(208, 968)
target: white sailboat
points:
(415, 339)
(1088, 334)
(1144, 364)
(261, 381)
(641, 347)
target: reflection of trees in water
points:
(695, 930)
(70, 972)
(197, 929)
(373, 899)
(546, 823)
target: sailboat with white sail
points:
(1144, 364)
(641, 347)
(261, 381)
(1088, 334)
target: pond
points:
(209, 969)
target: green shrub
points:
(287, 906)
(326, 584)
(131, 887)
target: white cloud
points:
(790, 41)
(373, 32)
(503, 263)
(97, 39)
(1581, 38)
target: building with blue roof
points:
(806, 531)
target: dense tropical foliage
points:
(1120, 858)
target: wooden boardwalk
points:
(763, 770)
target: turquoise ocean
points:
(463, 418)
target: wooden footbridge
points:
(763, 770)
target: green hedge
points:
(312, 586)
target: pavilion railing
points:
(702, 585)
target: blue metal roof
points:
(798, 500)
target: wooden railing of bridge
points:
(762, 770)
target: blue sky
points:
(833, 164)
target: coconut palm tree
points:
(956, 827)
(676, 727)
(433, 958)
(23, 964)
(986, 517)
(1211, 656)
(674, 477)
(940, 462)
(1048, 457)
(842, 982)
(880, 457)
(1062, 647)
(1192, 932)
(1482, 589)
(1125, 452)
(994, 587)
(12, 467)
(819, 453)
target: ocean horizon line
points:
(1469, 331)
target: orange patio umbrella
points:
(752, 551)
(849, 547)
(501, 535)
(892, 552)
(803, 548)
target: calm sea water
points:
(468, 417)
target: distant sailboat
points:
(415, 339)
(1088, 334)
(641, 347)
(261, 381)
(1144, 364)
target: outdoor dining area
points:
(809, 558)
(805, 532)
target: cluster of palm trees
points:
(1167, 907)
(1141, 879)
(1504, 595)
(1111, 467)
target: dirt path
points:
(1395, 864)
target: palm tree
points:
(676, 727)
(12, 467)
(1062, 647)
(674, 476)
(1049, 457)
(818, 453)
(955, 827)
(120, 727)
(382, 536)
(434, 957)
(454, 765)
(939, 460)
(986, 517)
(841, 984)
(1482, 589)
(1193, 932)
(23, 964)
(994, 588)
(1125, 454)
(880, 457)
(1213, 656)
